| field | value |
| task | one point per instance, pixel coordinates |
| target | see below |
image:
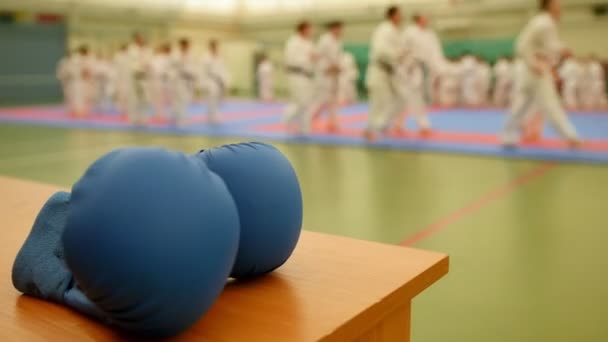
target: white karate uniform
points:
(66, 76)
(571, 73)
(423, 62)
(593, 92)
(426, 47)
(598, 85)
(183, 78)
(329, 51)
(104, 84)
(470, 80)
(138, 66)
(123, 80)
(299, 61)
(265, 75)
(82, 69)
(503, 82)
(410, 86)
(215, 82)
(348, 79)
(449, 85)
(160, 69)
(538, 43)
(484, 81)
(386, 57)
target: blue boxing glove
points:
(148, 242)
(39, 268)
(267, 194)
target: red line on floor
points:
(478, 204)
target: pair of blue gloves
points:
(148, 237)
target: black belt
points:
(386, 67)
(140, 75)
(186, 76)
(299, 71)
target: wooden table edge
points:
(373, 315)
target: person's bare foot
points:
(398, 125)
(333, 127)
(532, 136)
(575, 143)
(370, 136)
(426, 132)
(398, 131)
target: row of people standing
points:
(137, 79)
(471, 82)
(583, 83)
(467, 81)
(347, 80)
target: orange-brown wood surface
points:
(332, 288)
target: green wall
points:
(28, 59)
(489, 49)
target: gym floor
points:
(527, 239)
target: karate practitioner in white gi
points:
(539, 49)
(348, 79)
(81, 72)
(328, 70)
(183, 78)
(422, 64)
(387, 55)
(300, 59)
(138, 70)
(66, 77)
(503, 82)
(215, 80)
(265, 75)
(571, 74)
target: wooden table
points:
(332, 289)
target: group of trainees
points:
(346, 81)
(138, 78)
(321, 77)
(471, 82)
(404, 63)
(407, 71)
(583, 83)
(466, 81)
(320, 74)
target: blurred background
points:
(36, 33)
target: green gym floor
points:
(527, 240)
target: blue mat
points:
(455, 130)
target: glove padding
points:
(39, 269)
(148, 236)
(267, 194)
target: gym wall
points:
(28, 60)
